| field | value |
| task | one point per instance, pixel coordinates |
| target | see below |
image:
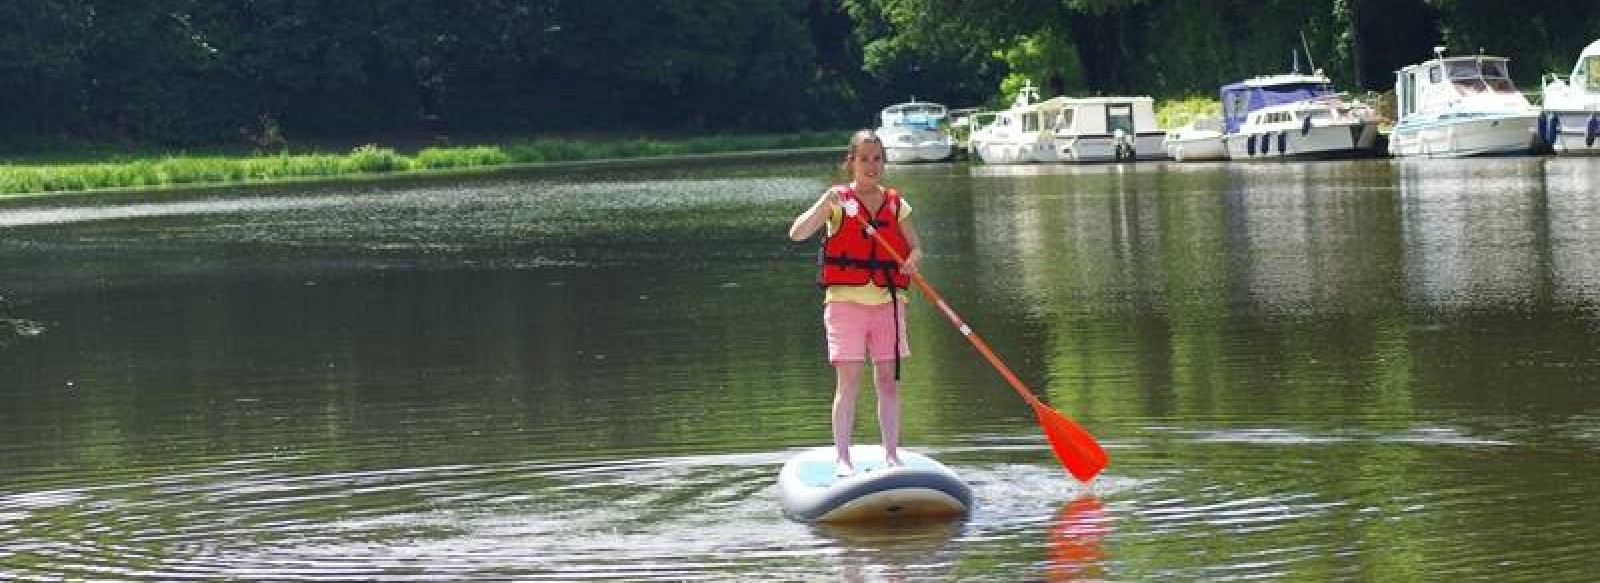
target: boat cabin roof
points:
(1462, 64)
(1286, 79)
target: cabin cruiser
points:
(1100, 129)
(1017, 135)
(1461, 106)
(1295, 116)
(1571, 120)
(915, 131)
(1069, 129)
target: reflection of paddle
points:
(1075, 540)
(1074, 447)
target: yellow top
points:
(870, 294)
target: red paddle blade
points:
(1076, 449)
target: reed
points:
(180, 169)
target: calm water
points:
(1375, 370)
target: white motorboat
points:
(915, 131)
(1321, 127)
(1197, 140)
(1099, 129)
(1461, 106)
(1571, 120)
(1017, 135)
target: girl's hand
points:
(830, 200)
(909, 266)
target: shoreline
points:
(632, 162)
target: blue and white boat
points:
(916, 131)
(1295, 116)
(1571, 120)
(1461, 106)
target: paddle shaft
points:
(955, 319)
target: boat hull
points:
(1011, 152)
(1105, 147)
(1351, 140)
(926, 152)
(1465, 135)
(1571, 132)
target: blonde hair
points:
(856, 140)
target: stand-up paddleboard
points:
(921, 487)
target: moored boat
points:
(1098, 129)
(1295, 116)
(1016, 135)
(915, 131)
(1197, 140)
(1461, 106)
(1570, 123)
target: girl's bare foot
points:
(843, 469)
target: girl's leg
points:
(888, 409)
(844, 409)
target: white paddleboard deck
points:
(921, 487)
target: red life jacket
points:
(851, 256)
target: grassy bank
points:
(67, 175)
(1172, 113)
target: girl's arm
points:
(815, 217)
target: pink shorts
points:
(856, 331)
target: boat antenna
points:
(1296, 55)
(1307, 46)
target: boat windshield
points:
(1473, 76)
(918, 116)
(1587, 74)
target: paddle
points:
(1073, 446)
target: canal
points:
(1376, 370)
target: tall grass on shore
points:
(370, 159)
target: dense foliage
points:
(257, 71)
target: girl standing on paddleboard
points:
(864, 289)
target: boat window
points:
(1588, 74)
(1238, 103)
(1066, 119)
(1408, 93)
(1030, 122)
(1433, 74)
(1318, 114)
(1463, 69)
(1501, 85)
(1119, 117)
(1494, 69)
(1471, 86)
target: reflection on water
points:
(1364, 370)
(1075, 553)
